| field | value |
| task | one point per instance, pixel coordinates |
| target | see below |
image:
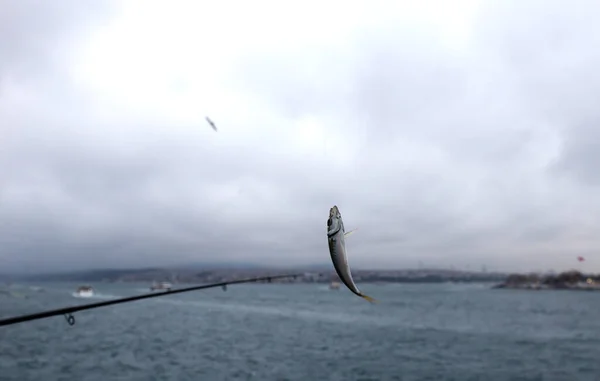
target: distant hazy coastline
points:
(570, 280)
(312, 275)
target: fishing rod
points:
(68, 311)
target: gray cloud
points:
(448, 155)
(36, 35)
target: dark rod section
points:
(67, 311)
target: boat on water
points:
(334, 286)
(161, 286)
(85, 291)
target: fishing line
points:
(68, 311)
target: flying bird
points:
(211, 123)
(580, 259)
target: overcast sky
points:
(459, 133)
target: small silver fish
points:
(336, 235)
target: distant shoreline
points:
(569, 280)
(190, 276)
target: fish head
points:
(334, 221)
(334, 211)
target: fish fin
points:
(346, 234)
(368, 298)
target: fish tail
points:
(368, 298)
